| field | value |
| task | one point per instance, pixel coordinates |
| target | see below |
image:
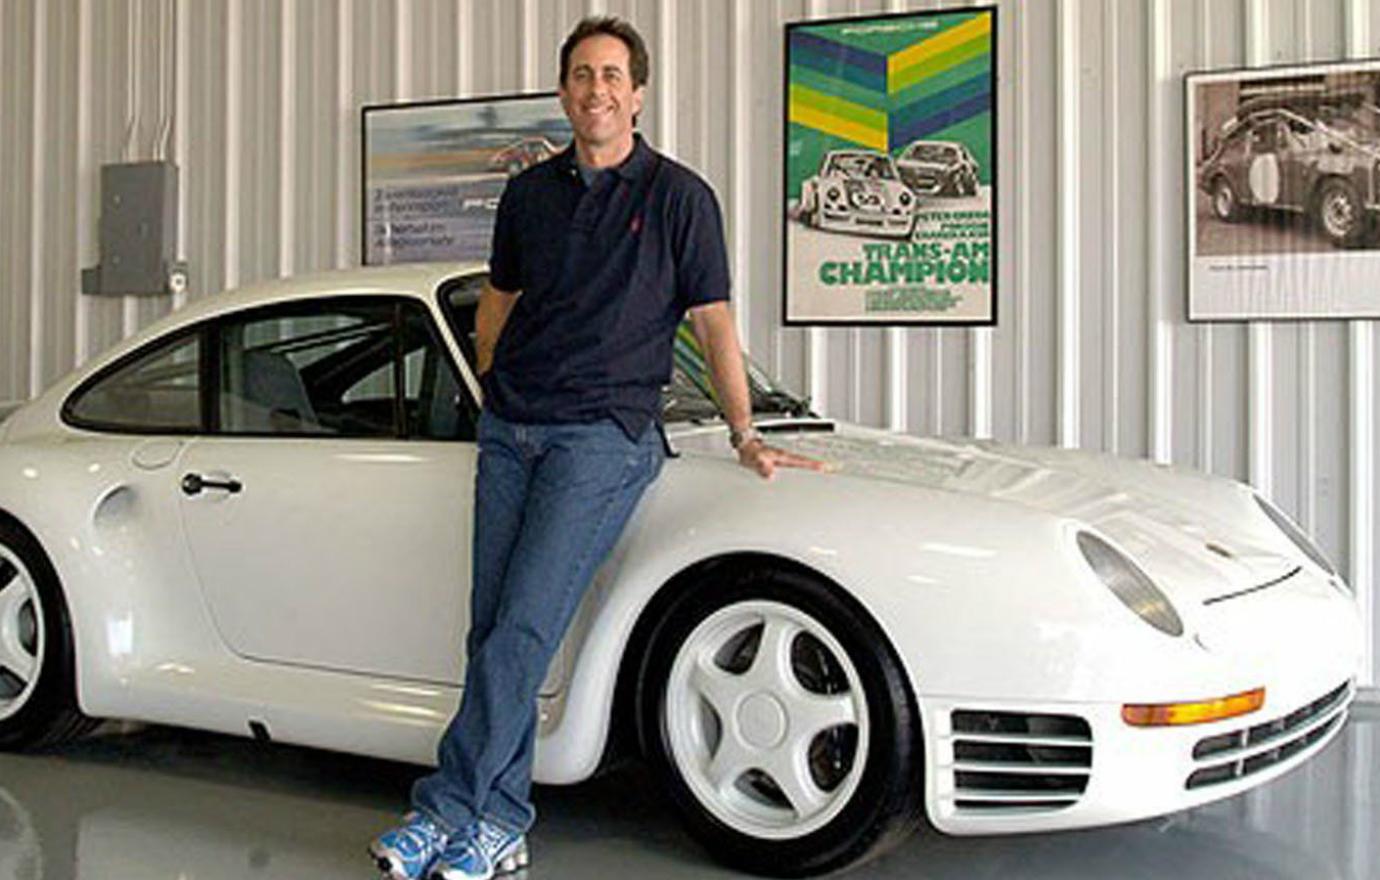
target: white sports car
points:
(253, 517)
(858, 191)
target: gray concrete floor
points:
(160, 803)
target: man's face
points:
(598, 93)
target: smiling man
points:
(598, 254)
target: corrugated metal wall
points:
(258, 101)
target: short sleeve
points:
(505, 255)
(701, 258)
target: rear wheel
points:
(1340, 213)
(781, 724)
(38, 705)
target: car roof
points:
(407, 278)
(1299, 102)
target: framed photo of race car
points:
(1283, 192)
(890, 177)
(433, 171)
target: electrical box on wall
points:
(138, 232)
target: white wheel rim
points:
(22, 638)
(734, 734)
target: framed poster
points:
(433, 171)
(1283, 192)
(890, 175)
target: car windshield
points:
(861, 167)
(690, 395)
(933, 153)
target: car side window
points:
(459, 301)
(436, 405)
(158, 391)
(344, 368)
(1265, 138)
(311, 369)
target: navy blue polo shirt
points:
(606, 272)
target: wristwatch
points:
(737, 439)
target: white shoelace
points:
(421, 834)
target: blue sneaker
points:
(481, 851)
(408, 851)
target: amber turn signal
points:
(1167, 714)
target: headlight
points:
(1129, 584)
(1296, 534)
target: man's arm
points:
(718, 337)
(492, 313)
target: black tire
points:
(1226, 203)
(1340, 213)
(42, 711)
(874, 805)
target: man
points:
(597, 255)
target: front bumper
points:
(1080, 765)
(876, 223)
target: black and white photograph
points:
(1283, 192)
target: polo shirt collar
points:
(635, 166)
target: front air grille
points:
(1007, 762)
(1250, 750)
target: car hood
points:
(1199, 537)
(868, 184)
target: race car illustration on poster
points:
(938, 168)
(858, 191)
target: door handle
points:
(193, 484)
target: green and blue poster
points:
(890, 173)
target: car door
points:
(328, 512)
(1264, 174)
(1294, 161)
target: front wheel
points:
(1225, 203)
(38, 704)
(782, 725)
(809, 212)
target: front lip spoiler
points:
(1257, 588)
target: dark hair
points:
(638, 63)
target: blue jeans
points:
(550, 503)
